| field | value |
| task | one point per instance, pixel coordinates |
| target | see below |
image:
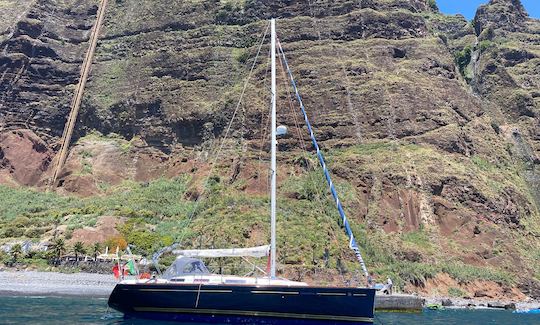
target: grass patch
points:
(23, 201)
(464, 273)
(403, 272)
(482, 163)
(419, 239)
(456, 293)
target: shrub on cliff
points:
(463, 58)
(433, 5)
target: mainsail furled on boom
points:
(259, 251)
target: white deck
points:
(220, 280)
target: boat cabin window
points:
(196, 267)
(183, 266)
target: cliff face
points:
(432, 120)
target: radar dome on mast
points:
(281, 130)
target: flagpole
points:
(120, 271)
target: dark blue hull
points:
(244, 304)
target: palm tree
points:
(16, 252)
(95, 251)
(59, 247)
(78, 248)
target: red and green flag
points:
(131, 267)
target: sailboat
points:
(188, 292)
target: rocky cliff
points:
(430, 122)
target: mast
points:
(273, 169)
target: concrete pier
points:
(399, 303)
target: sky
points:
(468, 7)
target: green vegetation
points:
(86, 168)
(482, 163)
(419, 239)
(95, 250)
(24, 202)
(78, 249)
(231, 13)
(408, 272)
(465, 273)
(58, 249)
(160, 213)
(241, 55)
(433, 5)
(418, 273)
(16, 252)
(485, 45)
(24, 208)
(136, 233)
(463, 58)
(456, 293)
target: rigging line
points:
(319, 201)
(265, 126)
(216, 157)
(319, 196)
(291, 110)
(346, 225)
(321, 207)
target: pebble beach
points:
(53, 283)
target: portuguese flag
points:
(128, 268)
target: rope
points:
(296, 124)
(264, 127)
(346, 225)
(318, 199)
(156, 255)
(198, 296)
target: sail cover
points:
(259, 251)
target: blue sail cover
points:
(346, 225)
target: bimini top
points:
(183, 266)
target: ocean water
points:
(62, 310)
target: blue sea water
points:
(62, 310)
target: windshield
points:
(185, 266)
